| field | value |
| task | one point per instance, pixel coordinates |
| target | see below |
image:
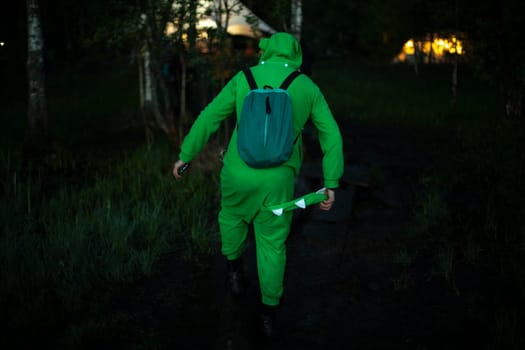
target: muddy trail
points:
(340, 285)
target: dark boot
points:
(267, 321)
(235, 276)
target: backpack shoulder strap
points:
(289, 79)
(250, 78)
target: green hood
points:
(281, 47)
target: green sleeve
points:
(330, 141)
(208, 121)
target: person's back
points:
(247, 193)
(281, 54)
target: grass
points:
(90, 218)
(469, 217)
(64, 250)
(467, 228)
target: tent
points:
(239, 21)
(242, 21)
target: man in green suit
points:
(246, 192)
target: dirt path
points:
(340, 284)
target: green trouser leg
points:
(270, 239)
(271, 233)
(245, 195)
(233, 234)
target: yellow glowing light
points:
(2, 43)
(409, 47)
(437, 47)
(170, 28)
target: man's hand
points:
(176, 167)
(327, 203)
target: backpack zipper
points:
(268, 112)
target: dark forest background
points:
(88, 205)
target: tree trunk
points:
(148, 77)
(454, 80)
(431, 52)
(148, 134)
(224, 8)
(513, 99)
(455, 63)
(297, 18)
(150, 101)
(154, 89)
(183, 116)
(152, 98)
(192, 30)
(417, 54)
(37, 103)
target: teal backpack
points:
(265, 128)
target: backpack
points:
(265, 128)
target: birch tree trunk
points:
(152, 83)
(153, 88)
(145, 90)
(148, 79)
(296, 21)
(37, 103)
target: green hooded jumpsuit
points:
(247, 192)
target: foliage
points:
(377, 30)
(329, 27)
(493, 27)
(90, 218)
(66, 246)
(468, 226)
(84, 103)
(394, 94)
